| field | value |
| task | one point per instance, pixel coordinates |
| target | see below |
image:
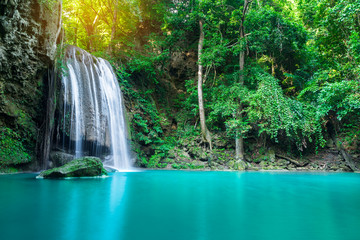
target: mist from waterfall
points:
(93, 114)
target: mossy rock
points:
(240, 165)
(81, 167)
(263, 164)
(230, 164)
(271, 155)
(221, 167)
(282, 162)
(258, 159)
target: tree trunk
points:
(239, 141)
(113, 27)
(76, 36)
(204, 131)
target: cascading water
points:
(93, 116)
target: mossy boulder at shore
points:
(81, 167)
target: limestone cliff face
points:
(29, 31)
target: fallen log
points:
(298, 164)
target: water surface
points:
(172, 205)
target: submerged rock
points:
(81, 167)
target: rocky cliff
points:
(29, 32)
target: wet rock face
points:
(59, 159)
(29, 30)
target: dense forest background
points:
(230, 83)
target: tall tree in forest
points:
(205, 133)
(239, 141)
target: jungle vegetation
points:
(281, 72)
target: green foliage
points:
(114, 26)
(186, 166)
(145, 121)
(342, 97)
(275, 113)
(301, 71)
(145, 61)
(12, 150)
(59, 58)
(332, 97)
(351, 133)
(226, 103)
(273, 35)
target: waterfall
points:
(93, 114)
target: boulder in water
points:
(81, 167)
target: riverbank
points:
(201, 159)
(326, 160)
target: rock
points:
(271, 155)
(171, 153)
(219, 141)
(29, 31)
(203, 156)
(230, 164)
(282, 162)
(213, 168)
(263, 164)
(240, 165)
(258, 159)
(182, 156)
(248, 165)
(271, 167)
(213, 164)
(81, 167)
(333, 166)
(198, 164)
(60, 158)
(313, 166)
(329, 143)
(198, 153)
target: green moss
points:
(8, 169)
(81, 167)
(179, 166)
(12, 150)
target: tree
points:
(205, 133)
(239, 141)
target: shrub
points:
(12, 151)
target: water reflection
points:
(83, 208)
